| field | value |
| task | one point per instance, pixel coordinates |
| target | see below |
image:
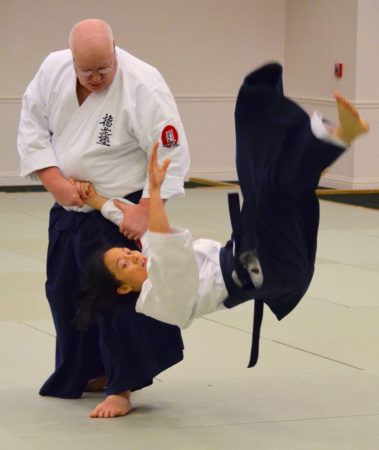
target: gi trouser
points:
(131, 350)
(279, 163)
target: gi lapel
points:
(81, 126)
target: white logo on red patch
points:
(170, 137)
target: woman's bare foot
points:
(113, 406)
(351, 124)
(97, 384)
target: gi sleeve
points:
(158, 120)
(170, 292)
(322, 132)
(110, 211)
(34, 138)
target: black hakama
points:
(279, 162)
(129, 351)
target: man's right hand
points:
(64, 191)
(66, 194)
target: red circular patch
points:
(170, 137)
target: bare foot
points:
(97, 384)
(351, 124)
(113, 406)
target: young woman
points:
(281, 154)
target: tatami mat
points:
(316, 385)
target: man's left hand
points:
(136, 218)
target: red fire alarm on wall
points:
(338, 70)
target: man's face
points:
(96, 72)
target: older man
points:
(93, 112)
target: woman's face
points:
(127, 266)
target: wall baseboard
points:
(216, 174)
(331, 102)
(226, 174)
(15, 180)
(232, 99)
(339, 182)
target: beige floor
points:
(316, 385)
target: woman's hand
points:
(88, 194)
(158, 221)
(85, 189)
(156, 173)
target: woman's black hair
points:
(98, 292)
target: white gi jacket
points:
(108, 139)
(184, 278)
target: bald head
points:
(91, 37)
(95, 61)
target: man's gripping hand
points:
(136, 218)
(63, 191)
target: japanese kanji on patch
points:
(170, 137)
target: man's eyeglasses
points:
(101, 70)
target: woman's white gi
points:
(184, 278)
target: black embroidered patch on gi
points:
(105, 132)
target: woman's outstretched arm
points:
(158, 221)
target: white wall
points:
(204, 48)
(319, 34)
(366, 156)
